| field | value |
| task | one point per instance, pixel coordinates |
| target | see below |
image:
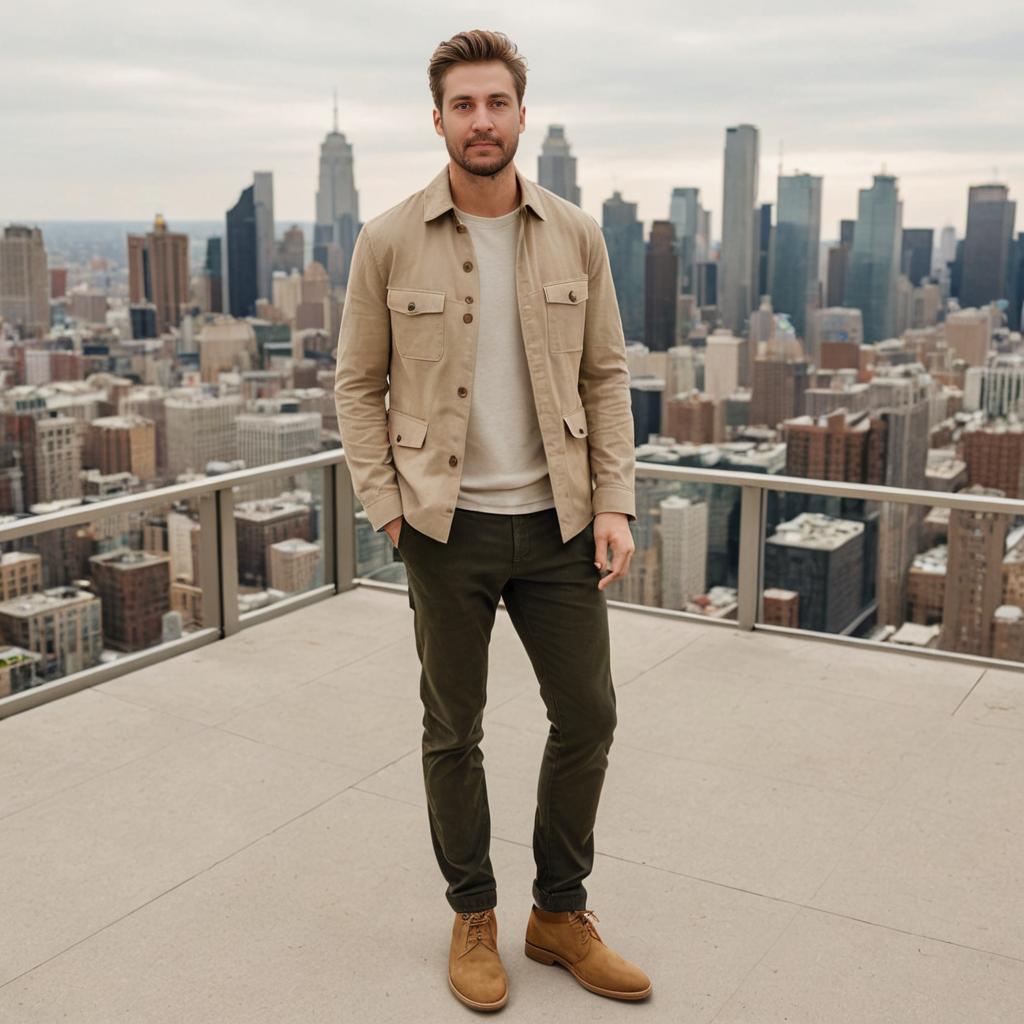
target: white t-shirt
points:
(504, 468)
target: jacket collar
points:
(437, 196)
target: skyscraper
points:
(337, 205)
(263, 202)
(736, 284)
(661, 286)
(794, 281)
(764, 241)
(158, 272)
(243, 282)
(685, 212)
(624, 239)
(556, 168)
(916, 255)
(24, 280)
(990, 217)
(875, 259)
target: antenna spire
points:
(335, 108)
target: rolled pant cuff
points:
(478, 901)
(562, 902)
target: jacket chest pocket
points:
(417, 322)
(566, 306)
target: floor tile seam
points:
(111, 768)
(177, 885)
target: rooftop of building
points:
(790, 829)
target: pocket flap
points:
(405, 429)
(576, 421)
(572, 292)
(413, 301)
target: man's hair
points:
(473, 47)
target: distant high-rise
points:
(916, 254)
(986, 259)
(337, 205)
(736, 284)
(661, 286)
(556, 168)
(24, 280)
(263, 202)
(243, 282)
(765, 240)
(875, 259)
(158, 272)
(624, 239)
(839, 264)
(794, 282)
(213, 269)
(291, 252)
(687, 215)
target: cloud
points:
(115, 110)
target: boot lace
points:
(583, 919)
(479, 928)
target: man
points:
(502, 469)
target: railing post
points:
(750, 582)
(228, 561)
(329, 527)
(209, 561)
(344, 528)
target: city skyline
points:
(927, 99)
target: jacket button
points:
(467, 318)
(398, 437)
(572, 296)
(452, 461)
(412, 306)
(467, 266)
(469, 298)
(461, 228)
(463, 392)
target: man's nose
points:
(483, 123)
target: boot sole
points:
(497, 1005)
(545, 956)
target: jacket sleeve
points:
(604, 388)
(360, 384)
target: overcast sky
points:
(117, 110)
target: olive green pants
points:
(550, 591)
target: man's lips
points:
(474, 145)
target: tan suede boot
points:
(569, 938)
(475, 972)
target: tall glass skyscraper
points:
(241, 253)
(794, 279)
(875, 259)
(685, 213)
(624, 238)
(738, 261)
(987, 245)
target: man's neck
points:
(484, 196)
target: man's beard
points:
(484, 167)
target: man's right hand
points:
(393, 529)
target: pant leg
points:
(562, 619)
(454, 590)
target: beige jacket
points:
(409, 335)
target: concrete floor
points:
(790, 830)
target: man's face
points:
(480, 107)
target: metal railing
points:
(219, 565)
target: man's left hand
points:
(611, 530)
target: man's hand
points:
(394, 528)
(611, 529)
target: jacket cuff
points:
(383, 510)
(609, 498)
